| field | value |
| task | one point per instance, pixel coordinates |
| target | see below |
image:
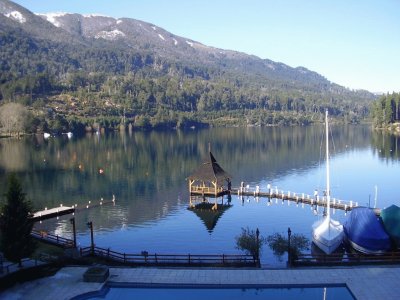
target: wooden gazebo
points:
(209, 179)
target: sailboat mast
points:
(328, 188)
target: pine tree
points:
(15, 223)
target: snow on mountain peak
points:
(17, 16)
(95, 15)
(109, 35)
(51, 17)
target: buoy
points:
(101, 171)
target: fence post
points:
(124, 258)
(189, 258)
(155, 256)
(289, 248)
(223, 258)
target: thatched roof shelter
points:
(209, 179)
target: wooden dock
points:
(66, 210)
(52, 213)
(274, 193)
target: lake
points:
(147, 171)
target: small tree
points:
(279, 244)
(15, 223)
(250, 242)
(13, 117)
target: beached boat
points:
(327, 233)
(391, 222)
(365, 233)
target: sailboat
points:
(327, 233)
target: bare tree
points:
(13, 118)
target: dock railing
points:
(145, 258)
(274, 193)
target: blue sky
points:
(355, 43)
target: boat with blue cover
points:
(365, 232)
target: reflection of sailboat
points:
(327, 233)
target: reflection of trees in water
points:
(279, 244)
(147, 170)
(386, 145)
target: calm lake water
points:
(147, 171)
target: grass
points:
(47, 249)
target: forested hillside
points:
(73, 72)
(386, 110)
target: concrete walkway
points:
(364, 282)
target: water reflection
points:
(147, 171)
(386, 145)
(144, 163)
(209, 209)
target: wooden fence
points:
(145, 258)
(52, 239)
(346, 260)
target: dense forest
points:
(113, 88)
(64, 81)
(386, 111)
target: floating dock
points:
(274, 193)
(52, 213)
(66, 210)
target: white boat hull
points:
(327, 234)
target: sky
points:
(354, 43)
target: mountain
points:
(138, 35)
(146, 71)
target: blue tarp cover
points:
(365, 229)
(391, 221)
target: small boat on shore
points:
(365, 232)
(391, 221)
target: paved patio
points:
(364, 282)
